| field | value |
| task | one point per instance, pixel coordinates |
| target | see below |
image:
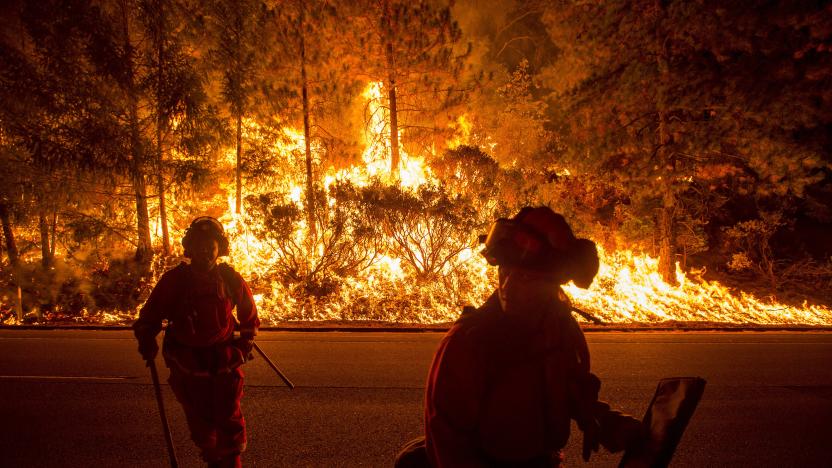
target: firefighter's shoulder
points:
(176, 272)
(226, 269)
(231, 277)
(474, 316)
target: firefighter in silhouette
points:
(510, 375)
(199, 347)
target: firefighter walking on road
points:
(197, 300)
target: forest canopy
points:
(355, 149)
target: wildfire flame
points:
(385, 279)
(628, 287)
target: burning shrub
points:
(378, 252)
(426, 229)
(344, 244)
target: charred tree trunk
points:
(666, 214)
(391, 91)
(8, 234)
(307, 136)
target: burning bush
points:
(427, 229)
(378, 251)
(345, 243)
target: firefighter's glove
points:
(592, 437)
(148, 348)
(245, 345)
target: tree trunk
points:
(237, 107)
(144, 246)
(307, 136)
(54, 232)
(160, 155)
(163, 212)
(45, 250)
(14, 257)
(160, 188)
(666, 214)
(8, 234)
(238, 170)
(391, 93)
(667, 245)
(394, 127)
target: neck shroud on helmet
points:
(540, 239)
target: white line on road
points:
(64, 338)
(64, 377)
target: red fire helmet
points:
(540, 239)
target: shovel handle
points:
(274, 367)
(157, 388)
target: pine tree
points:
(236, 32)
(113, 78)
(673, 97)
(412, 47)
(310, 82)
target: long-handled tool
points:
(174, 463)
(588, 316)
(274, 367)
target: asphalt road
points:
(84, 398)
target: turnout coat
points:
(500, 394)
(199, 310)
